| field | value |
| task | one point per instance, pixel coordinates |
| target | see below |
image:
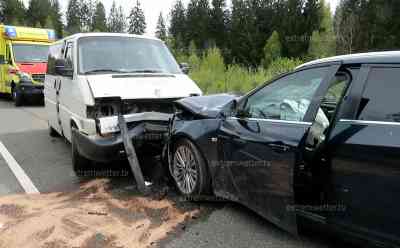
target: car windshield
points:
(30, 52)
(99, 55)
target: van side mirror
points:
(63, 69)
(2, 60)
(185, 67)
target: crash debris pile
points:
(90, 217)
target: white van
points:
(93, 77)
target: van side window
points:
(68, 55)
(380, 99)
(54, 54)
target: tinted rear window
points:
(381, 97)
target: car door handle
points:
(279, 147)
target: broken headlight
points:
(108, 125)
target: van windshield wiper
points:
(145, 71)
(104, 70)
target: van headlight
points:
(108, 125)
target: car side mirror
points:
(185, 67)
(63, 69)
(242, 113)
(2, 60)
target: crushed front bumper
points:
(143, 128)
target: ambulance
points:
(23, 62)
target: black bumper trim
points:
(108, 149)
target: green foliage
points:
(213, 76)
(272, 50)
(137, 20)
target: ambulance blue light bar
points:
(51, 34)
(10, 31)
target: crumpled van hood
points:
(142, 86)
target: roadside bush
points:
(213, 76)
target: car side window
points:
(380, 99)
(287, 98)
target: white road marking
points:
(19, 173)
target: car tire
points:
(53, 132)
(79, 163)
(189, 170)
(17, 97)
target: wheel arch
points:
(180, 136)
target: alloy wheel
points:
(185, 169)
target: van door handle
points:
(279, 147)
(55, 84)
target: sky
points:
(152, 9)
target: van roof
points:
(389, 57)
(94, 34)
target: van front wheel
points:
(79, 163)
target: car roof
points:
(389, 57)
(94, 34)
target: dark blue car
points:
(319, 146)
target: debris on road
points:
(90, 217)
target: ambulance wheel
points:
(17, 97)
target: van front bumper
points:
(111, 148)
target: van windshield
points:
(30, 52)
(101, 55)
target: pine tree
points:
(177, 28)
(218, 23)
(116, 20)
(243, 29)
(99, 22)
(121, 20)
(73, 17)
(272, 49)
(86, 14)
(137, 20)
(161, 29)
(12, 12)
(37, 13)
(323, 41)
(56, 18)
(198, 19)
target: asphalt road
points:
(46, 161)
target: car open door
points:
(259, 145)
